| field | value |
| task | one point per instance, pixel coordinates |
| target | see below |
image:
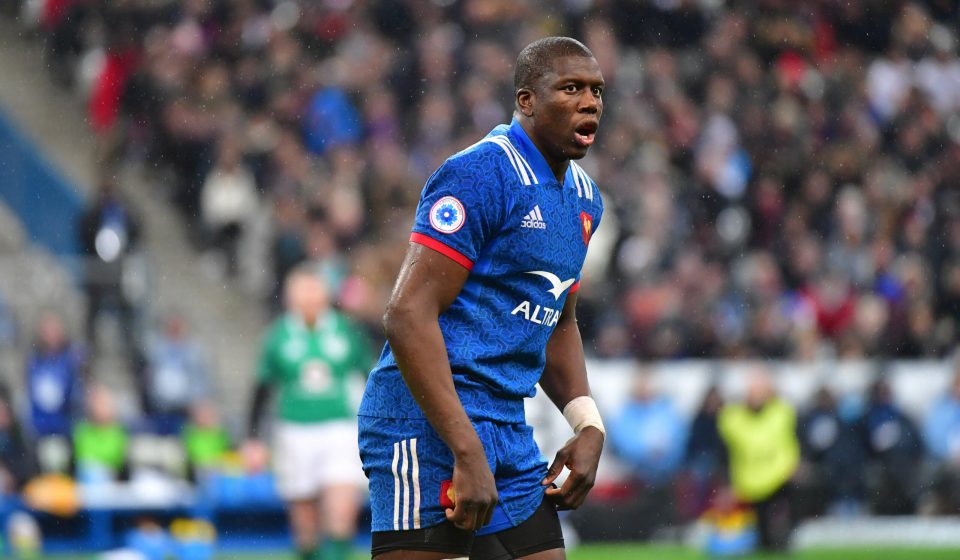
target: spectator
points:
(941, 431)
(649, 434)
(177, 375)
(205, 439)
(103, 108)
(17, 460)
(109, 235)
(54, 377)
(833, 458)
(705, 457)
(228, 203)
(761, 440)
(894, 450)
(100, 440)
(331, 121)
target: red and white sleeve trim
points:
(442, 248)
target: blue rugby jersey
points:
(496, 209)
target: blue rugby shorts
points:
(409, 469)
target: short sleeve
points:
(461, 208)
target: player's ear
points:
(525, 101)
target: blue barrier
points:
(47, 204)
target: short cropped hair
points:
(536, 59)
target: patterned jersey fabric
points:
(496, 209)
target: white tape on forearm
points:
(582, 412)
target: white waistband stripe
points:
(404, 471)
(396, 487)
(416, 483)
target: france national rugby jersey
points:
(496, 209)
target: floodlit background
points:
(780, 181)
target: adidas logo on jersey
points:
(534, 219)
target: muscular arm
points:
(565, 378)
(428, 283)
(565, 374)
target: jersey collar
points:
(296, 323)
(529, 151)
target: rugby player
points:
(485, 308)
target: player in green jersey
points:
(312, 356)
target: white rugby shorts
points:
(307, 458)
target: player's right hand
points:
(474, 493)
(255, 456)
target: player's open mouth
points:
(586, 133)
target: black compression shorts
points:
(538, 533)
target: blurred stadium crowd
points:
(780, 176)
(781, 171)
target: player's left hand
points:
(581, 455)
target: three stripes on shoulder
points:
(526, 174)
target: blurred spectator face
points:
(764, 278)
(491, 60)
(436, 51)
(306, 296)
(485, 108)
(283, 53)
(816, 188)
(683, 123)
(832, 291)
(851, 214)
(824, 399)
(805, 257)
(50, 332)
(871, 317)
(229, 155)
(880, 393)
(320, 242)
(214, 83)
(601, 37)
(759, 389)
(721, 93)
(437, 116)
(100, 405)
(883, 253)
(911, 272)
(712, 401)
(643, 389)
(204, 414)
(749, 69)
(921, 321)
(175, 326)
